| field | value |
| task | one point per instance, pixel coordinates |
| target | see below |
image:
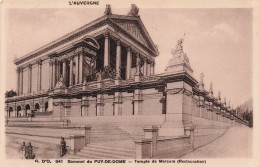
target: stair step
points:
(117, 151)
(109, 148)
(103, 155)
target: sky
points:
(218, 42)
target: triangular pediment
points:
(133, 28)
(136, 28)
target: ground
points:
(42, 150)
(235, 143)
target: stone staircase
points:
(107, 141)
(106, 133)
(93, 151)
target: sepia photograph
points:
(127, 83)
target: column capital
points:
(51, 61)
(39, 62)
(71, 57)
(118, 42)
(30, 66)
(20, 69)
(129, 48)
(106, 34)
(64, 60)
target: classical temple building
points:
(104, 71)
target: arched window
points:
(27, 110)
(37, 107)
(9, 111)
(18, 114)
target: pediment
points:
(134, 29)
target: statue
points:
(179, 46)
(133, 11)
(60, 83)
(99, 76)
(108, 10)
(219, 95)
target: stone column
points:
(54, 73)
(129, 63)
(145, 67)
(21, 80)
(39, 77)
(118, 59)
(64, 70)
(50, 74)
(148, 69)
(138, 72)
(77, 69)
(57, 70)
(18, 81)
(81, 67)
(106, 50)
(71, 71)
(152, 68)
(29, 78)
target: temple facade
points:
(106, 68)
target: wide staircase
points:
(107, 141)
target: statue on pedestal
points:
(133, 11)
(60, 83)
(108, 10)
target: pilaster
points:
(18, 81)
(138, 102)
(21, 81)
(118, 103)
(85, 106)
(29, 78)
(100, 105)
(39, 76)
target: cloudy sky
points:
(218, 42)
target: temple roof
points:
(128, 24)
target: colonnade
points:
(58, 66)
(20, 78)
(148, 65)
